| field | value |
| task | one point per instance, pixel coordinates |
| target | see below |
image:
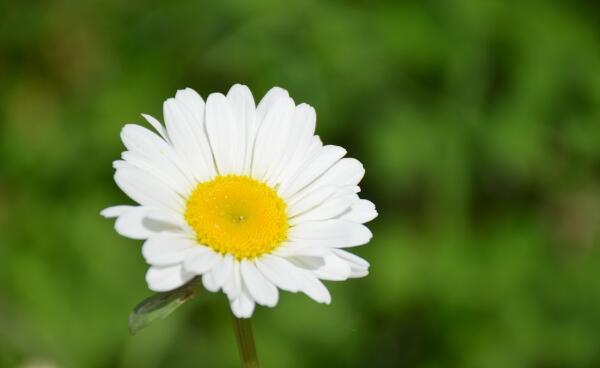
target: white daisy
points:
(245, 196)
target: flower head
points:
(245, 196)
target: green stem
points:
(245, 342)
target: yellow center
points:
(237, 215)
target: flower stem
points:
(245, 342)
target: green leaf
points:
(160, 305)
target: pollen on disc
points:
(237, 215)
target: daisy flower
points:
(245, 196)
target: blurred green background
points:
(478, 123)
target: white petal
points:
(209, 283)
(187, 136)
(312, 170)
(168, 248)
(334, 269)
(234, 285)
(314, 288)
(263, 107)
(330, 208)
(271, 138)
(358, 272)
(222, 272)
(359, 267)
(243, 305)
(116, 211)
(330, 233)
(300, 204)
(161, 168)
(362, 211)
(227, 135)
(134, 224)
(191, 102)
(301, 132)
(279, 271)
(346, 172)
(143, 142)
(292, 249)
(160, 129)
(267, 102)
(311, 263)
(201, 261)
(146, 189)
(287, 137)
(167, 278)
(261, 290)
(138, 138)
(242, 104)
(157, 221)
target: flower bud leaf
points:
(160, 305)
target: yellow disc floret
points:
(237, 215)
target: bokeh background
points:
(478, 123)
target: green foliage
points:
(478, 123)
